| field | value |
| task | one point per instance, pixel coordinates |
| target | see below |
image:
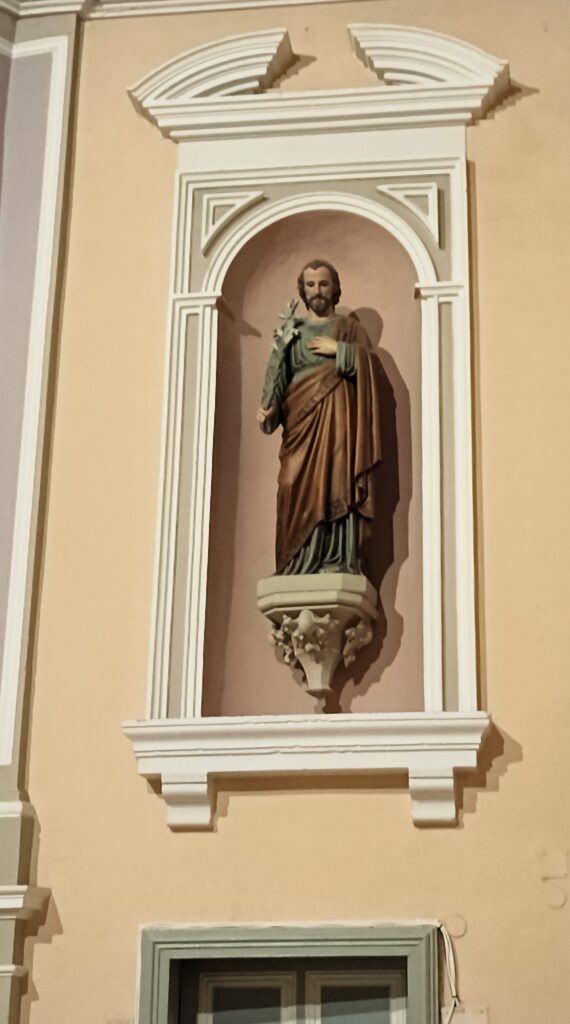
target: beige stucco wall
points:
(104, 848)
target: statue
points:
(322, 387)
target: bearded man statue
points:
(322, 385)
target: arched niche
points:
(241, 673)
(393, 157)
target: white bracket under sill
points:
(186, 755)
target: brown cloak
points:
(331, 443)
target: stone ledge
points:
(185, 755)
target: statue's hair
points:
(314, 265)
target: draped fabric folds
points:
(331, 443)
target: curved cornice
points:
(228, 67)
(404, 57)
(208, 93)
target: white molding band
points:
(455, 294)
(186, 755)
(431, 508)
(97, 9)
(13, 663)
(309, 113)
(183, 308)
(138, 8)
(21, 902)
(34, 8)
(199, 518)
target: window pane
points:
(366, 1004)
(246, 1006)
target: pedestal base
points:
(317, 620)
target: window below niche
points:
(335, 990)
(376, 974)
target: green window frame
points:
(165, 948)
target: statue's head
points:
(317, 281)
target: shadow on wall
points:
(42, 928)
(241, 674)
(48, 927)
(498, 753)
(223, 535)
(387, 548)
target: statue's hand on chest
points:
(323, 345)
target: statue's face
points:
(318, 288)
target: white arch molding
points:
(230, 247)
(228, 250)
(261, 142)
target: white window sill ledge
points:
(186, 755)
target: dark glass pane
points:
(358, 1004)
(246, 1005)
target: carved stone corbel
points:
(317, 620)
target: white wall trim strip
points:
(13, 664)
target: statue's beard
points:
(319, 304)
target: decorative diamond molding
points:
(220, 208)
(412, 58)
(136, 8)
(412, 197)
